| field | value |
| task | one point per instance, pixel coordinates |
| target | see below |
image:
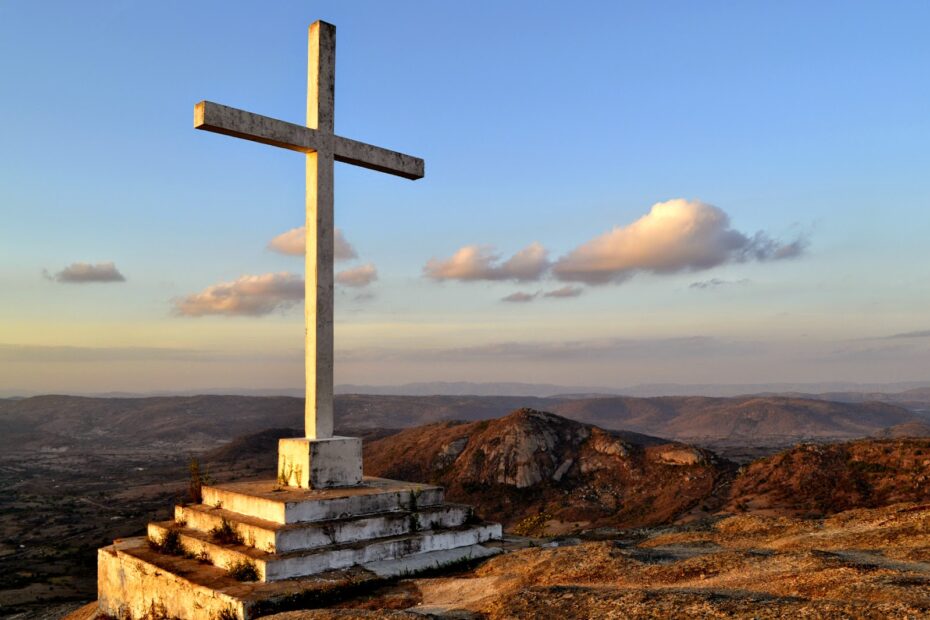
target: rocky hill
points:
(825, 479)
(535, 470)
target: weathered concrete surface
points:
(265, 499)
(238, 123)
(134, 583)
(278, 566)
(130, 587)
(430, 560)
(320, 463)
(275, 537)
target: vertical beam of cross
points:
(321, 147)
(318, 296)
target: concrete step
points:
(269, 501)
(135, 581)
(278, 566)
(280, 538)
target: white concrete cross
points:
(322, 147)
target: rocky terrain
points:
(537, 471)
(865, 564)
(823, 479)
(541, 474)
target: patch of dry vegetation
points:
(858, 564)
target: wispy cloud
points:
(248, 295)
(676, 235)
(564, 292)
(85, 273)
(520, 297)
(475, 262)
(717, 283)
(918, 334)
(593, 349)
(357, 277)
(294, 242)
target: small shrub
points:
(170, 544)
(226, 534)
(227, 614)
(243, 570)
(534, 525)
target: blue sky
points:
(539, 122)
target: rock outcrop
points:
(557, 473)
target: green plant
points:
(203, 557)
(243, 570)
(225, 534)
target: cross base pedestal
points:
(320, 463)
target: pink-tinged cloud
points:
(357, 277)
(84, 273)
(520, 297)
(474, 262)
(564, 292)
(248, 295)
(676, 235)
(294, 241)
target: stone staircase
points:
(264, 533)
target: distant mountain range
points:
(201, 422)
(835, 390)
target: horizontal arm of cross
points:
(241, 124)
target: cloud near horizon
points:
(294, 243)
(520, 297)
(84, 273)
(564, 292)
(675, 236)
(476, 262)
(357, 277)
(248, 295)
(716, 283)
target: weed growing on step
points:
(170, 544)
(329, 530)
(415, 498)
(226, 614)
(243, 570)
(285, 471)
(225, 534)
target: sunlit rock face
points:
(531, 464)
(530, 447)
